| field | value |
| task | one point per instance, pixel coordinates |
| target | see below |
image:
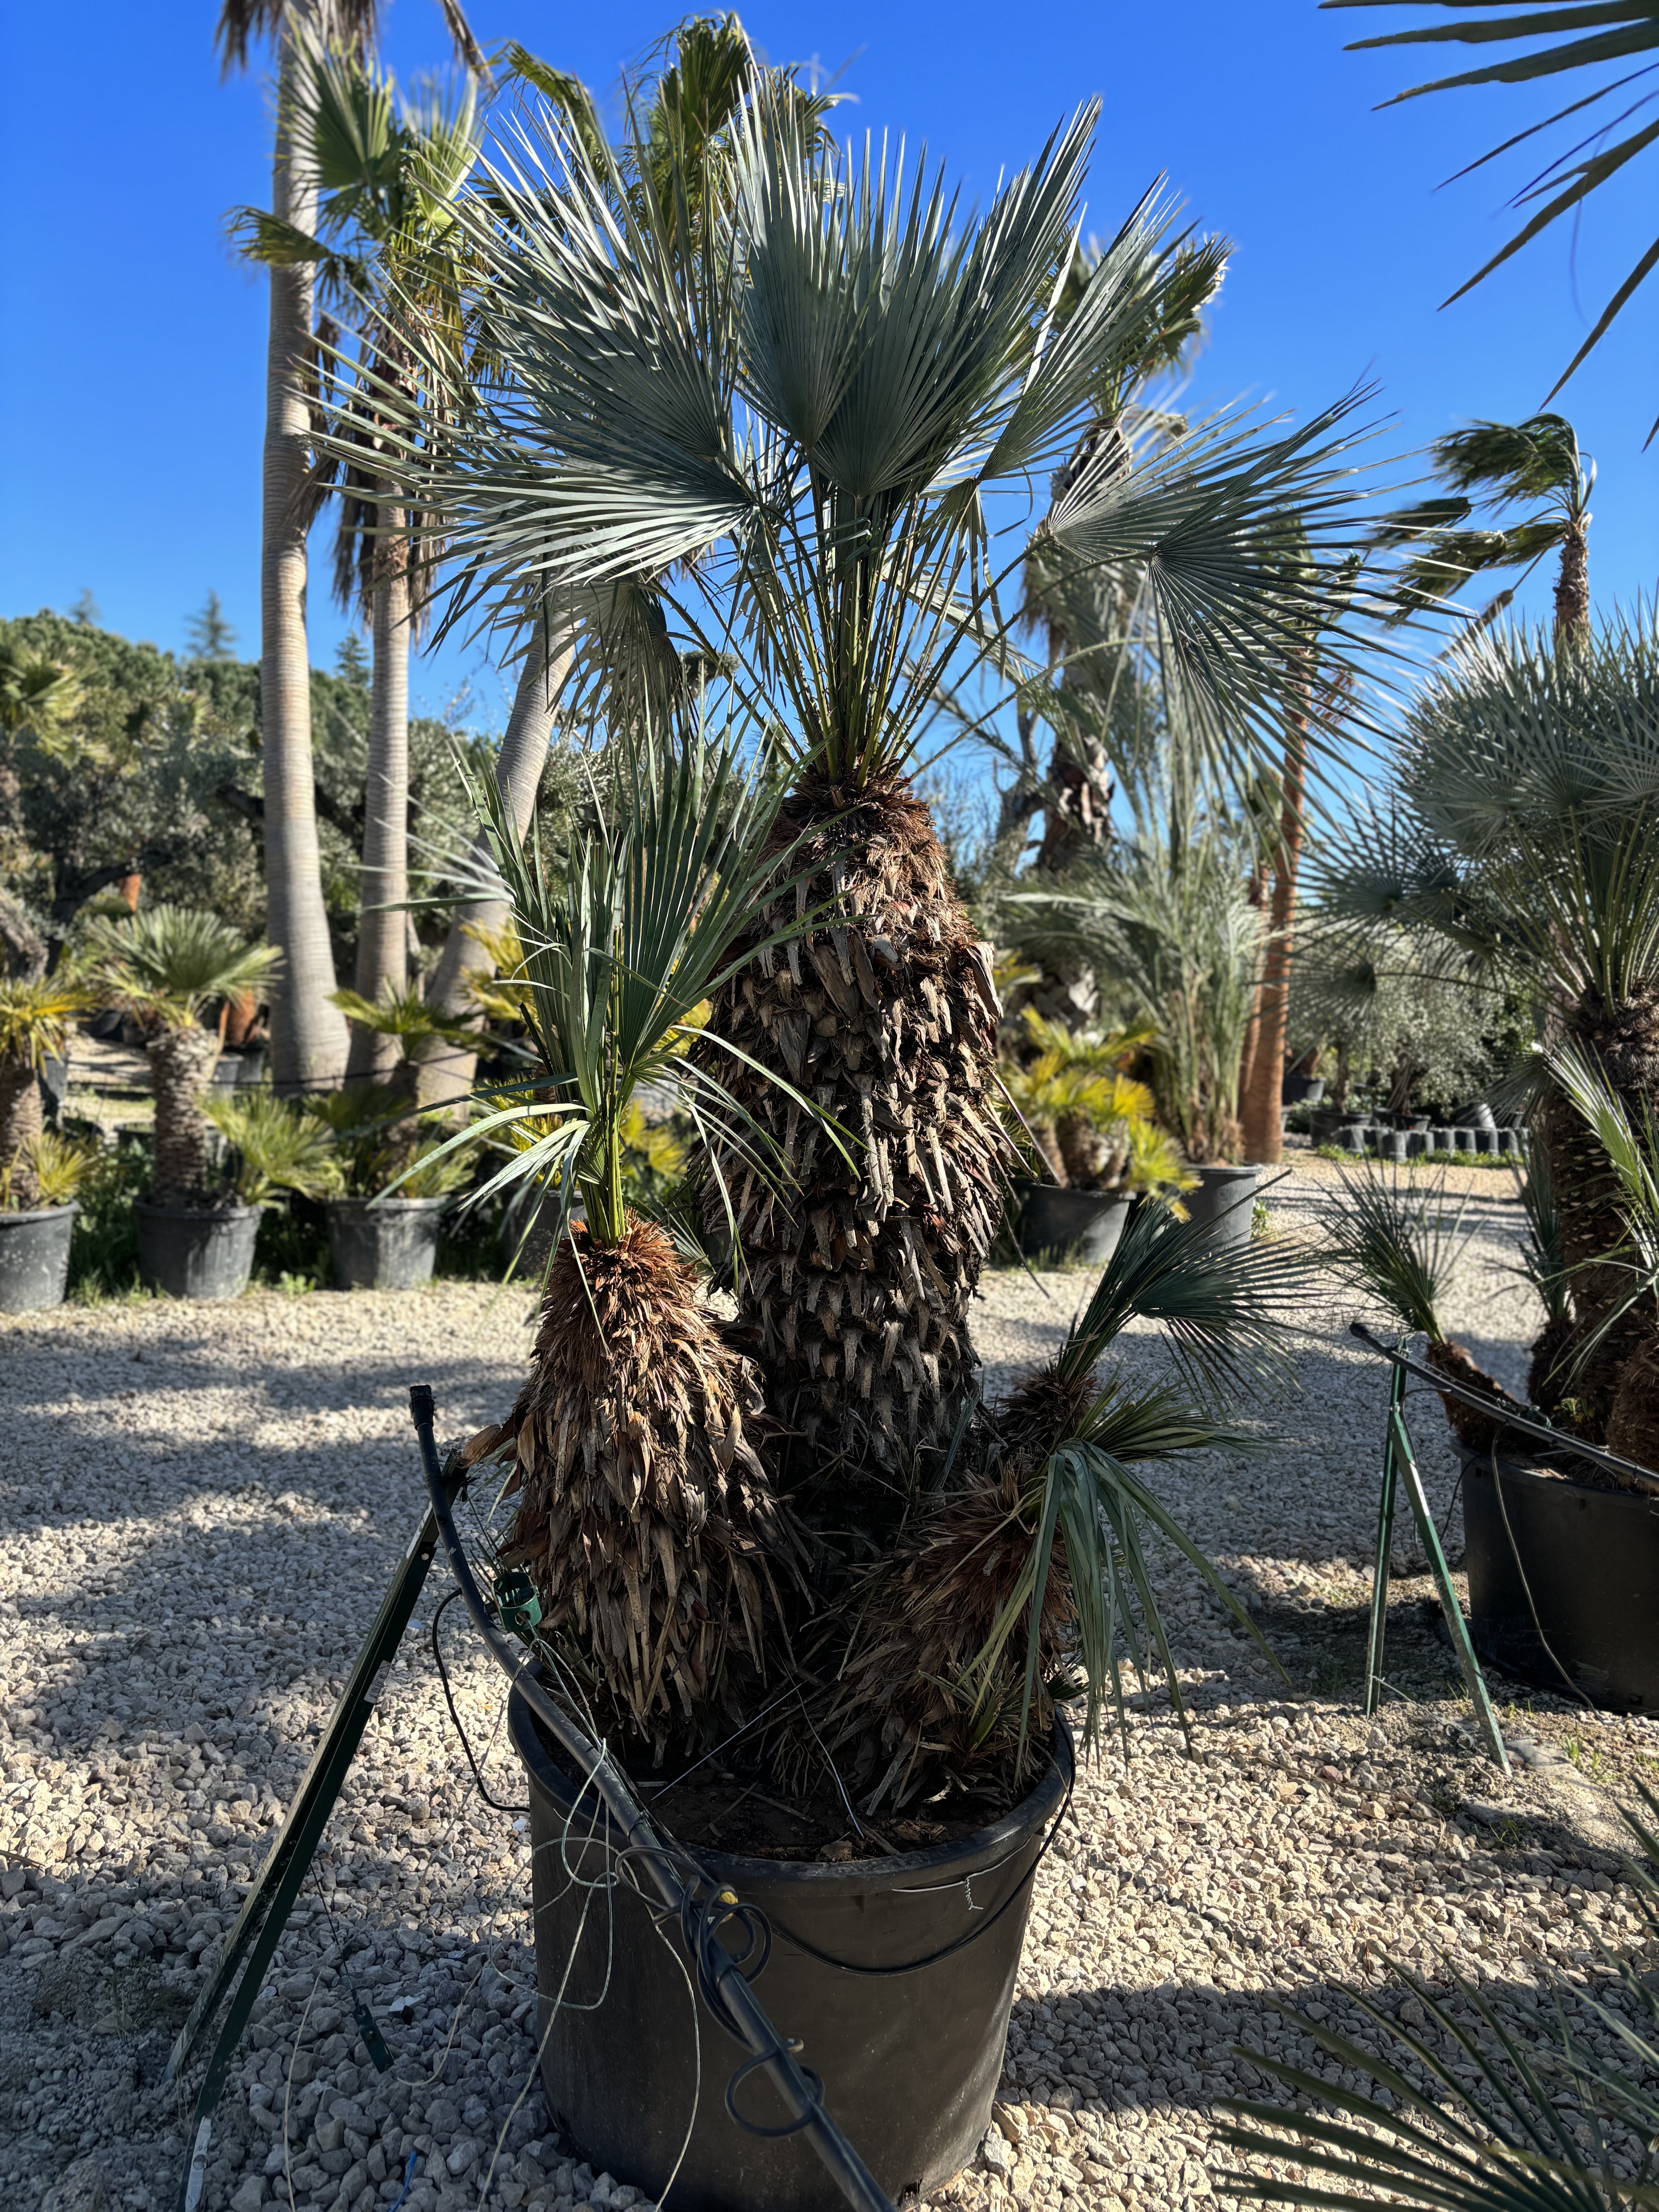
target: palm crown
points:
(775, 451)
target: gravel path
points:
(203, 1507)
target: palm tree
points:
(166, 965)
(309, 1035)
(647, 1518)
(1609, 35)
(759, 458)
(1498, 463)
(683, 107)
(35, 1013)
(1522, 837)
(386, 178)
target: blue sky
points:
(131, 385)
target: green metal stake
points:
(1400, 1464)
(1474, 1681)
(265, 1914)
(1384, 1550)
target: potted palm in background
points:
(167, 966)
(38, 1174)
(381, 1239)
(745, 432)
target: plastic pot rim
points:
(17, 1215)
(882, 1873)
(196, 1212)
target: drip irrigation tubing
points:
(719, 1973)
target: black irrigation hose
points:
(494, 1803)
(737, 2008)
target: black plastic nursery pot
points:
(1088, 1222)
(196, 1251)
(384, 1243)
(34, 1257)
(1563, 1567)
(897, 1974)
(1226, 1197)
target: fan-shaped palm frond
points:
(167, 963)
(276, 1146)
(1582, 35)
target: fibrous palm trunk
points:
(1261, 1128)
(445, 1070)
(20, 1125)
(382, 969)
(181, 1063)
(307, 1032)
(647, 1518)
(1624, 1040)
(1572, 584)
(856, 1278)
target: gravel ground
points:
(203, 1507)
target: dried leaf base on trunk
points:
(911, 1714)
(664, 1560)
(856, 1282)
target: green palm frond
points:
(35, 1014)
(1542, 1260)
(1475, 2118)
(1398, 1240)
(623, 936)
(276, 1146)
(777, 430)
(170, 962)
(1609, 35)
(1225, 1309)
(57, 1166)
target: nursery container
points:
(383, 1243)
(1226, 1196)
(34, 1257)
(196, 1251)
(1301, 1090)
(897, 1974)
(1088, 1222)
(1584, 1561)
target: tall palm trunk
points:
(181, 1066)
(20, 1125)
(1572, 584)
(856, 1280)
(445, 1070)
(382, 969)
(307, 1032)
(1261, 1128)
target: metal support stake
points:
(1399, 1465)
(264, 1915)
(1379, 1626)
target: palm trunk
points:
(445, 1070)
(382, 923)
(856, 1280)
(181, 1063)
(20, 1125)
(1261, 1129)
(1624, 1039)
(1572, 586)
(307, 1032)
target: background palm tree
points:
(35, 1013)
(1491, 465)
(308, 1033)
(167, 964)
(1610, 34)
(386, 175)
(752, 444)
(1522, 839)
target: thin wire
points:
(495, 1803)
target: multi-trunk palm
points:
(769, 464)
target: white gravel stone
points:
(203, 1504)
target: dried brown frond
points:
(912, 1710)
(646, 1516)
(857, 1281)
